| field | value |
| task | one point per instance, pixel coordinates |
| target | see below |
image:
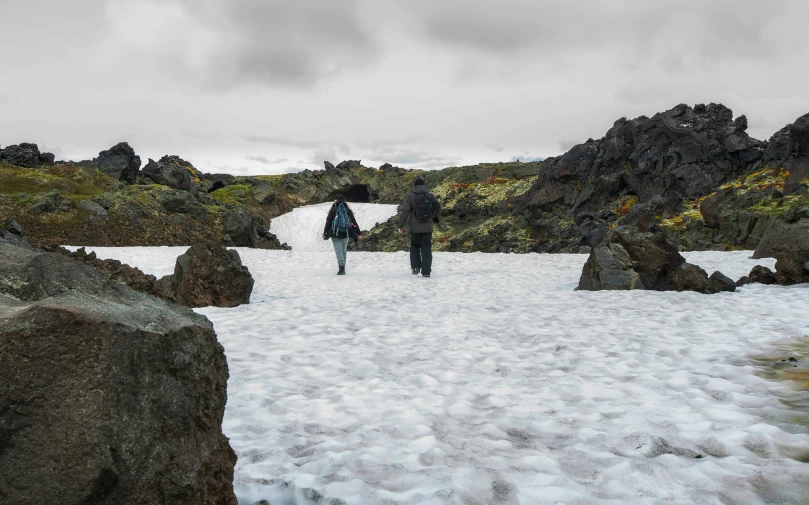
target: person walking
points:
(419, 210)
(341, 226)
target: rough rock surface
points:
(121, 272)
(609, 267)
(174, 172)
(119, 162)
(684, 152)
(208, 274)
(789, 147)
(635, 260)
(12, 234)
(24, 155)
(788, 243)
(107, 396)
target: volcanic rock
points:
(788, 243)
(108, 396)
(119, 162)
(208, 274)
(609, 267)
(23, 155)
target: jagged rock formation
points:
(206, 275)
(107, 395)
(634, 260)
(119, 162)
(25, 155)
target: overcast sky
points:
(268, 86)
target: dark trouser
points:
(421, 253)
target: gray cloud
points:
(681, 31)
(496, 148)
(224, 44)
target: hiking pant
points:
(421, 252)
(340, 250)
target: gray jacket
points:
(409, 204)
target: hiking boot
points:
(342, 271)
(425, 275)
(416, 271)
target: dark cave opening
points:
(216, 185)
(356, 193)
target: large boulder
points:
(634, 260)
(788, 243)
(119, 162)
(107, 395)
(241, 228)
(174, 172)
(208, 274)
(688, 277)
(12, 234)
(609, 267)
(655, 257)
(24, 155)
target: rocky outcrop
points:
(120, 272)
(684, 152)
(174, 172)
(119, 162)
(609, 267)
(12, 234)
(789, 148)
(759, 274)
(107, 395)
(25, 155)
(634, 260)
(788, 243)
(208, 274)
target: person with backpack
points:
(419, 210)
(340, 227)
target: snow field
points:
(494, 382)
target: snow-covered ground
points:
(494, 382)
(301, 229)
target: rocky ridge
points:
(691, 172)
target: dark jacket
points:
(408, 206)
(330, 219)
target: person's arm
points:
(329, 220)
(407, 208)
(354, 220)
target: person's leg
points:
(415, 252)
(345, 251)
(339, 251)
(426, 253)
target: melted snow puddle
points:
(510, 387)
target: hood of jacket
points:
(421, 188)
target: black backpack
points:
(423, 210)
